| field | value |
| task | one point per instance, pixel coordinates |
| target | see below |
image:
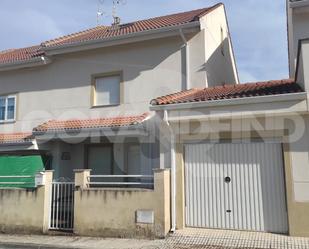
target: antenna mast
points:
(116, 18)
(100, 11)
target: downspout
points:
(173, 174)
(187, 59)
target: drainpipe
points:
(187, 58)
(173, 173)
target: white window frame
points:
(95, 103)
(6, 98)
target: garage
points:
(235, 186)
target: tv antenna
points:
(100, 12)
(116, 18)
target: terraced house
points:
(117, 160)
(239, 153)
(82, 101)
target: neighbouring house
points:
(81, 102)
(298, 19)
(239, 154)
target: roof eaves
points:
(16, 143)
(35, 61)
(138, 123)
(81, 132)
(233, 101)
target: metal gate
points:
(62, 206)
(235, 186)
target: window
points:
(107, 90)
(7, 108)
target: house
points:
(239, 153)
(208, 153)
(81, 101)
(297, 16)
(87, 83)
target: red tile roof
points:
(230, 92)
(102, 32)
(9, 138)
(21, 54)
(75, 124)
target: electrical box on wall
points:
(145, 216)
(39, 179)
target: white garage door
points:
(235, 186)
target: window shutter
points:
(108, 90)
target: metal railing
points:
(14, 182)
(121, 183)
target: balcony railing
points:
(137, 180)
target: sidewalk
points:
(41, 241)
(183, 239)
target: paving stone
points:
(183, 239)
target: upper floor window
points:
(107, 90)
(7, 108)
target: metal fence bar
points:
(72, 206)
(57, 205)
(65, 213)
(16, 176)
(53, 205)
(14, 183)
(124, 183)
(121, 176)
(121, 183)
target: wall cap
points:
(82, 170)
(161, 170)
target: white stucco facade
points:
(149, 66)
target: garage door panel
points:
(254, 199)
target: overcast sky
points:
(258, 27)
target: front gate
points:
(62, 206)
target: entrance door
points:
(235, 186)
(100, 159)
